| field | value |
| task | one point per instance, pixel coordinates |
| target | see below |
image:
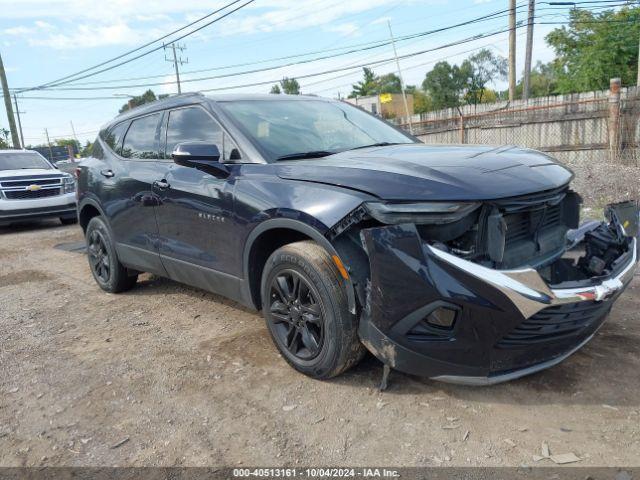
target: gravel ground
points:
(169, 375)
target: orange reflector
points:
(343, 271)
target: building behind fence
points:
(597, 126)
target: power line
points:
(69, 78)
(275, 67)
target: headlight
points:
(419, 213)
(69, 184)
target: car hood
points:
(30, 172)
(426, 172)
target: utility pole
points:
(8, 107)
(176, 60)
(527, 59)
(18, 112)
(638, 79)
(404, 93)
(46, 132)
(512, 50)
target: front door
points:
(195, 211)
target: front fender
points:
(303, 228)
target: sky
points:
(44, 40)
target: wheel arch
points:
(287, 231)
(87, 209)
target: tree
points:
(389, 83)
(444, 84)
(422, 102)
(480, 70)
(368, 85)
(290, 86)
(595, 47)
(87, 149)
(542, 82)
(63, 142)
(275, 89)
(4, 138)
(146, 97)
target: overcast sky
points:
(42, 40)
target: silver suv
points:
(31, 188)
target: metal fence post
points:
(614, 120)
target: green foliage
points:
(4, 138)
(479, 70)
(290, 86)
(87, 149)
(445, 85)
(368, 86)
(63, 142)
(146, 97)
(389, 83)
(275, 90)
(542, 82)
(373, 84)
(595, 47)
(422, 102)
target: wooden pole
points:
(512, 50)
(8, 106)
(529, 51)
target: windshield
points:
(290, 128)
(18, 160)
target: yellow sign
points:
(385, 98)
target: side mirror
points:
(203, 156)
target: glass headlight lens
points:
(69, 184)
(420, 213)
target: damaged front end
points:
(485, 292)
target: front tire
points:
(107, 270)
(306, 310)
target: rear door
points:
(131, 209)
(195, 212)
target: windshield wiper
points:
(379, 144)
(311, 154)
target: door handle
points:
(107, 173)
(161, 184)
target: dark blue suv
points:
(461, 263)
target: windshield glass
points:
(18, 160)
(293, 127)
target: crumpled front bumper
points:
(509, 323)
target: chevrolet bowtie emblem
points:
(33, 188)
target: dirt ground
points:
(170, 375)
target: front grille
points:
(32, 181)
(556, 323)
(521, 226)
(29, 195)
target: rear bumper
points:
(507, 323)
(21, 210)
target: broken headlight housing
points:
(420, 212)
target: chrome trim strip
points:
(492, 380)
(529, 292)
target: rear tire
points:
(305, 305)
(108, 272)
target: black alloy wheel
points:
(99, 256)
(296, 315)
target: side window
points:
(113, 137)
(140, 141)
(191, 125)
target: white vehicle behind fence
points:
(31, 188)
